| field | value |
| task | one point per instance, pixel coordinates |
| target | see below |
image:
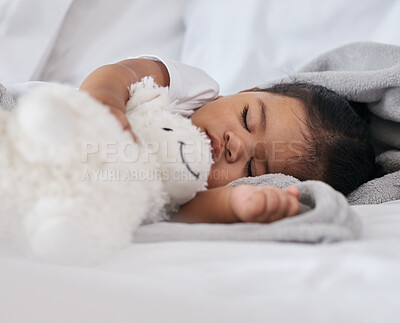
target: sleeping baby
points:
(297, 129)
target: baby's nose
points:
(234, 147)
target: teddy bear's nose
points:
(167, 129)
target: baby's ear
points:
(250, 90)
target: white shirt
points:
(190, 87)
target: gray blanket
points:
(363, 72)
(6, 100)
(367, 72)
(325, 217)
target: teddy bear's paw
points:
(61, 241)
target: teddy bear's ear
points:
(146, 91)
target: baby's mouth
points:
(215, 151)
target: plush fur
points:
(74, 186)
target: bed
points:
(197, 281)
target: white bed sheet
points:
(354, 281)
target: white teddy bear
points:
(74, 186)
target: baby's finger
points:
(292, 190)
(247, 202)
(132, 134)
(272, 204)
(123, 120)
(291, 206)
(283, 206)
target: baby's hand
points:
(123, 120)
(264, 204)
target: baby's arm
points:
(242, 203)
(109, 84)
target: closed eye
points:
(248, 168)
(244, 117)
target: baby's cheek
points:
(260, 151)
(221, 175)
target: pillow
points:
(247, 43)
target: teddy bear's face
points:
(185, 159)
(180, 150)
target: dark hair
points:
(339, 151)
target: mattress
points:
(354, 281)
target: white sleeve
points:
(190, 87)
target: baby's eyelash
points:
(244, 117)
(247, 168)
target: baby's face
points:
(253, 133)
